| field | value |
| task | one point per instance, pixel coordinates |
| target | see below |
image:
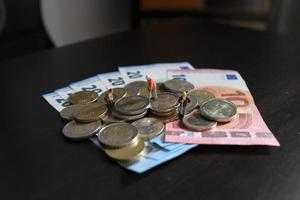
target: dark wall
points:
(22, 15)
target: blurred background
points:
(28, 26)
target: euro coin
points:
(134, 87)
(192, 104)
(83, 97)
(165, 119)
(165, 102)
(161, 88)
(178, 86)
(109, 118)
(148, 127)
(118, 135)
(91, 112)
(68, 112)
(144, 92)
(79, 131)
(219, 110)
(195, 121)
(164, 114)
(132, 105)
(117, 92)
(128, 117)
(127, 153)
(202, 95)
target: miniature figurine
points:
(110, 99)
(152, 88)
(183, 101)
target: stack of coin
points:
(211, 112)
(131, 107)
(84, 115)
(166, 104)
(121, 141)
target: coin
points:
(91, 112)
(219, 110)
(109, 118)
(196, 122)
(148, 127)
(134, 87)
(79, 131)
(161, 88)
(165, 119)
(178, 86)
(68, 112)
(83, 97)
(118, 135)
(165, 102)
(128, 117)
(164, 114)
(202, 95)
(126, 153)
(192, 104)
(144, 92)
(117, 92)
(132, 105)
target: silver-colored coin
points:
(165, 102)
(132, 105)
(128, 117)
(79, 131)
(149, 127)
(192, 104)
(134, 87)
(178, 86)
(68, 112)
(196, 122)
(118, 135)
(219, 110)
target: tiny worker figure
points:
(152, 88)
(110, 99)
(183, 101)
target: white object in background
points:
(71, 21)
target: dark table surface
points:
(38, 163)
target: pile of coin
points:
(134, 117)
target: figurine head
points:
(148, 77)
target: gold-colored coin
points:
(202, 95)
(83, 97)
(126, 153)
(117, 92)
(91, 112)
(161, 88)
(68, 112)
(148, 127)
(109, 118)
(195, 121)
(144, 92)
(165, 119)
(118, 135)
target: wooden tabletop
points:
(38, 163)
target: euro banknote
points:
(157, 71)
